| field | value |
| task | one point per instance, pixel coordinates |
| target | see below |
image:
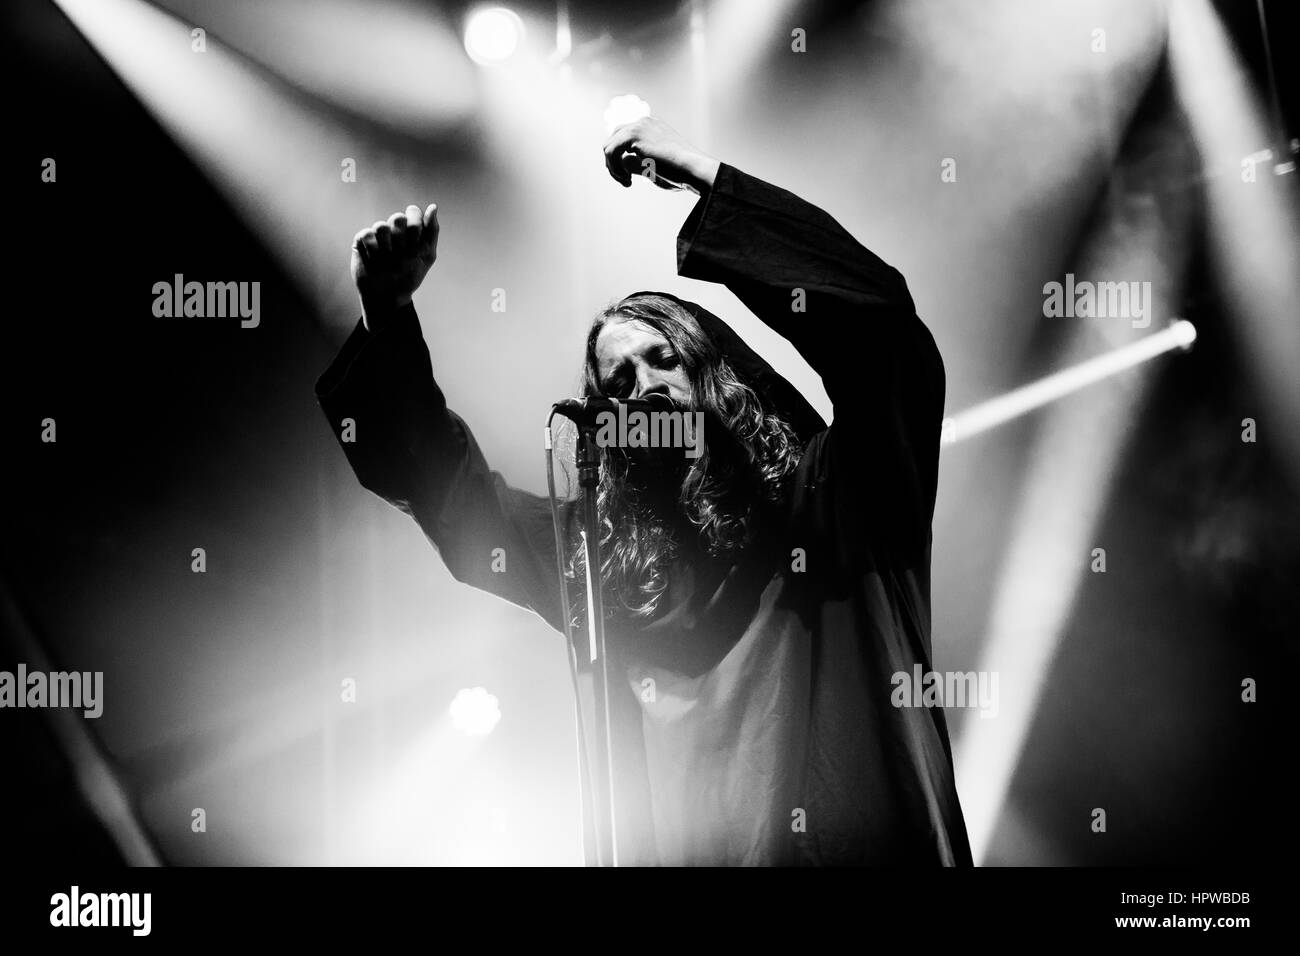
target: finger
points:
(614, 163)
(622, 135)
(383, 236)
(429, 234)
(397, 232)
(414, 226)
(635, 165)
(358, 243)
(370, 246)
(619, 143)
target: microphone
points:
(584, 411)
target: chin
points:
(660, 466)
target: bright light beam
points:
(1252, 214)
(996, 411)
(1072, 461)
(275, 160)
(748, 30)
(405, 815)
(387, 60)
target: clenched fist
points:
(652, 148)
(391, 259)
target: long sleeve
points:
(406, 446)
(851, 317)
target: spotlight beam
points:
(1070, 466)
(213, 105)
(1252, 216)
(1074, 459)
(328, 50)
(996, 411)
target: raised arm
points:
(848, 313)
(792, 264)
(405, 445)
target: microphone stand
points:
(588, 467)
(598, 781)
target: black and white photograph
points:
(650, 434)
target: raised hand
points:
(390, 260)
(650, 147)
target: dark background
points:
(177, 434)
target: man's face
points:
(633, 360)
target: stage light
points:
(980, 418)
(624, 109)
(1183, 333)
(492, 35)
(475, 712)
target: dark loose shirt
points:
(752, 717)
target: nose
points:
(648, 382)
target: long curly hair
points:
(708, 506)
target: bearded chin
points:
(657, 473)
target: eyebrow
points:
(606, 382)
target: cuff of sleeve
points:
(397, 329)
(724, 185)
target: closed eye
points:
(615, 387)
(618, 384)
(665, 357)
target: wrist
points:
(704, 171)
(377, 313)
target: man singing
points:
(760, 596)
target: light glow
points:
(475, 712)
(492, 35)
